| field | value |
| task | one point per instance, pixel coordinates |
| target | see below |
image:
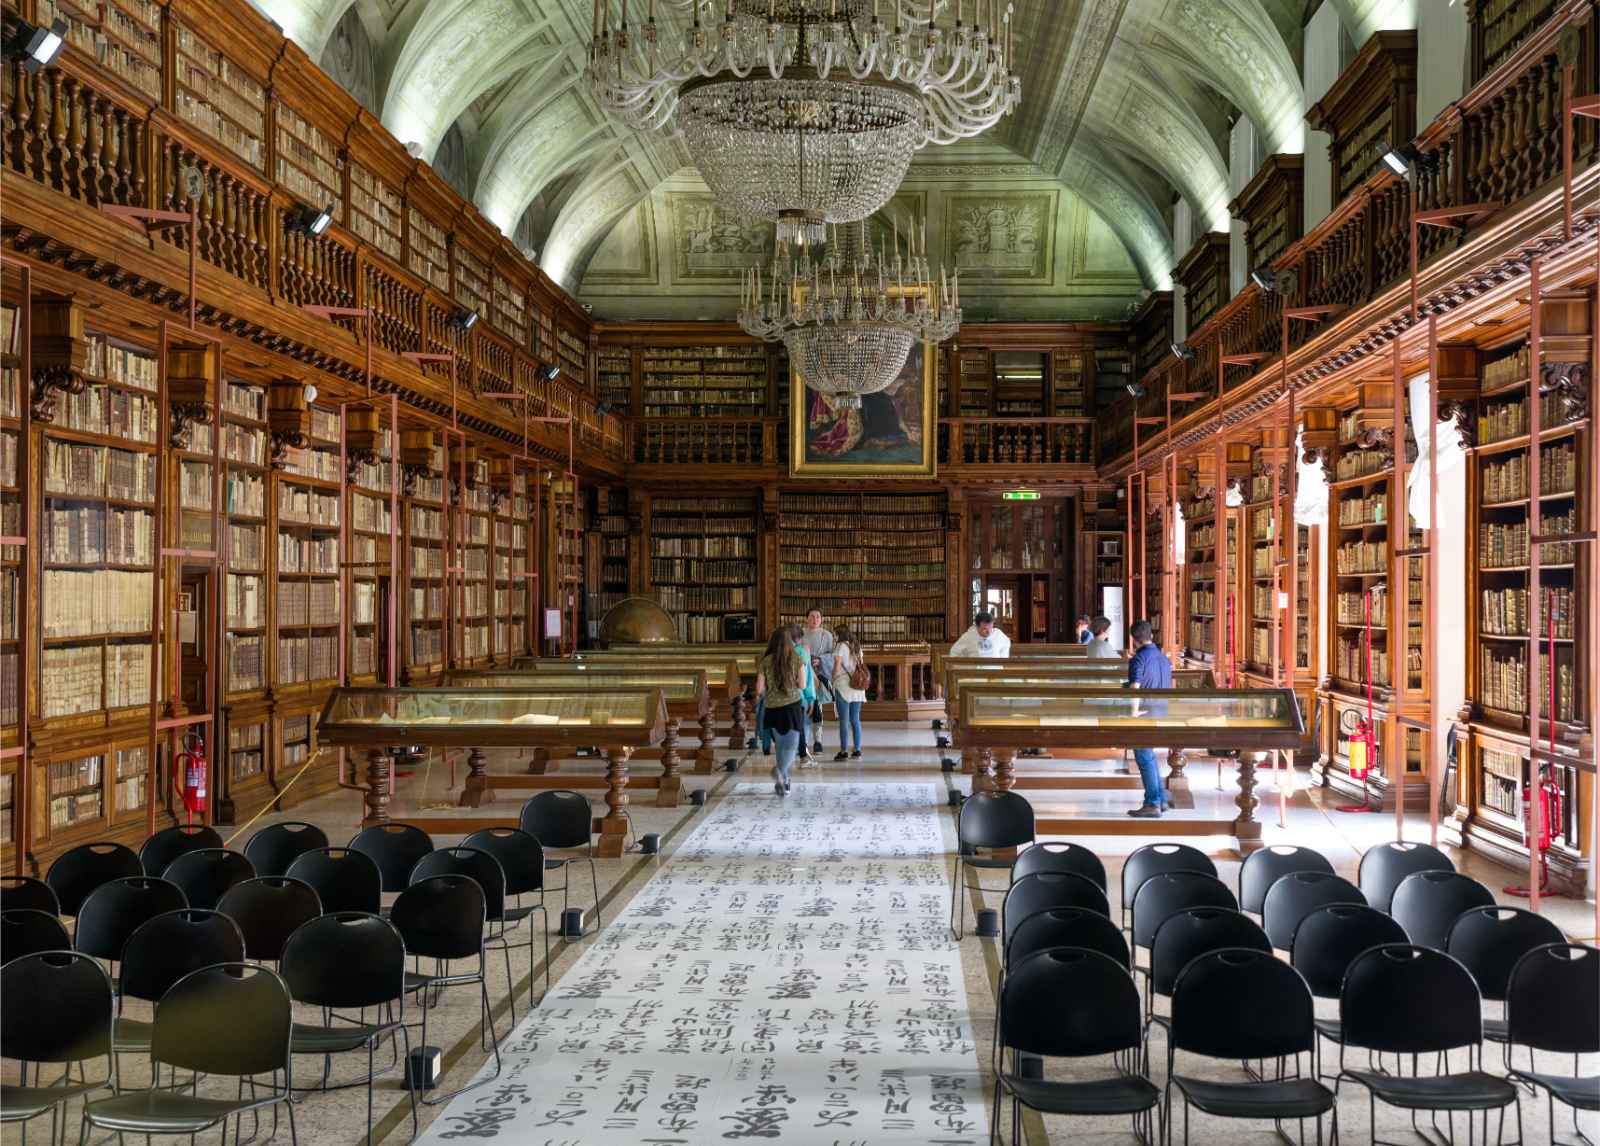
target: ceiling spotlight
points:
(1182, 350)
(1402, 159)
(1135, 389)
(310, 393)
(36, 46)
(1265, 280)
(308, 221)
(414, 149)
(463, 320)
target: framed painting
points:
(890, 435)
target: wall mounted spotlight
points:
(1135, 389)
(1403, 159)
(548, 373)
(308, 221)
(1265, 280)
(1182, 350)
(35, 45)
(463, 320)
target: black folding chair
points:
(1056, 855)
(25, 892)
(1186, 935)
(521, 858)
(1298, 894)
(1427, 903)
(78, 871)
(395, 848)
(1241, 1005)
(442, 918)
(1326, 943)
(561, 820)
(1171, 892)
(71, 1029)
(1553, 1005)
(349, 961)
(1067, 1002)
(1412, 1001)
(205, 874)
(988, 820)
(344, 879)
(115, 910)
(276, 846)
(1489, 941)
(1263, 868)
(268, 909)
(491, 877)
(1067, 927)
(232, 1019)
(1384, 867)
(1155, 859)
(161, 951)
(1044, 890)
(25, 931)
(157, 852)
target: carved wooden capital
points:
(185, 416)
(48, 382)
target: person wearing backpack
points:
(850, 680)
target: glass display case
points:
(1246, 720)
(475, 716)
(724, 673)
(684, 690)
(1100, 674)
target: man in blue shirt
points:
(1080, 632)
(1148, 668)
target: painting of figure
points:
(889, 435)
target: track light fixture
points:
(463, 320)
(1182, 351)
(308, 221)
(35, 45)
(1265, 280)
(1404, 159)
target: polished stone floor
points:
(724, 853)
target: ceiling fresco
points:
(1063, 210)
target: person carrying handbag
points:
(850, 680)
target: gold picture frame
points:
(829, 443)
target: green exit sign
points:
(1020, 495)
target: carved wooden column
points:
(740, 731)
(671, 787)
(1004, 777)
(377, 795)
(704, 754)
(476, 789)
(1246, 828)
(1177, 758)
(983, 771)
(542, 763)
(613, 826)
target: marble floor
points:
(723, 988)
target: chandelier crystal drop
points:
(807, 108)
(849, 315)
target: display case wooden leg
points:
(1177, 758)
(1005, 777)
(541, 762)
(1247, 828)
(377, 794)
(613, 826)
(704, 759)
(740, 729)
(983, 772)
(969, 763)
(671, 783)
(476, 790)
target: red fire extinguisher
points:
(1551, 806)
(189, 776)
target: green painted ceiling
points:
(1063, 211)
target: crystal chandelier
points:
(849, 317)
(805, 112)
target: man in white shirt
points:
(819, 643)
(982, 640)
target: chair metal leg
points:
(594, 879)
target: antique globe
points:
(637, 621)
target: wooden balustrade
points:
(396, 310)
(64, 134)
(1016, 441)
(706, 441)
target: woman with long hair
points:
(847, 701)
(781, 682)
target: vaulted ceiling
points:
(1062, 211)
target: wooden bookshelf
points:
(307, 573)
(122, 36)
(371, 447)
(703, 565)
(614, 378)
(572, 355)
(1155, 547)
(245, 602)
(473, 507)
(717, 381)
(215, 95)
(605, 554)
(511, 559)
(12, 608)
(889, 548)
(377, 211)
(307, 161)
(1200, 578)
(424, 537)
